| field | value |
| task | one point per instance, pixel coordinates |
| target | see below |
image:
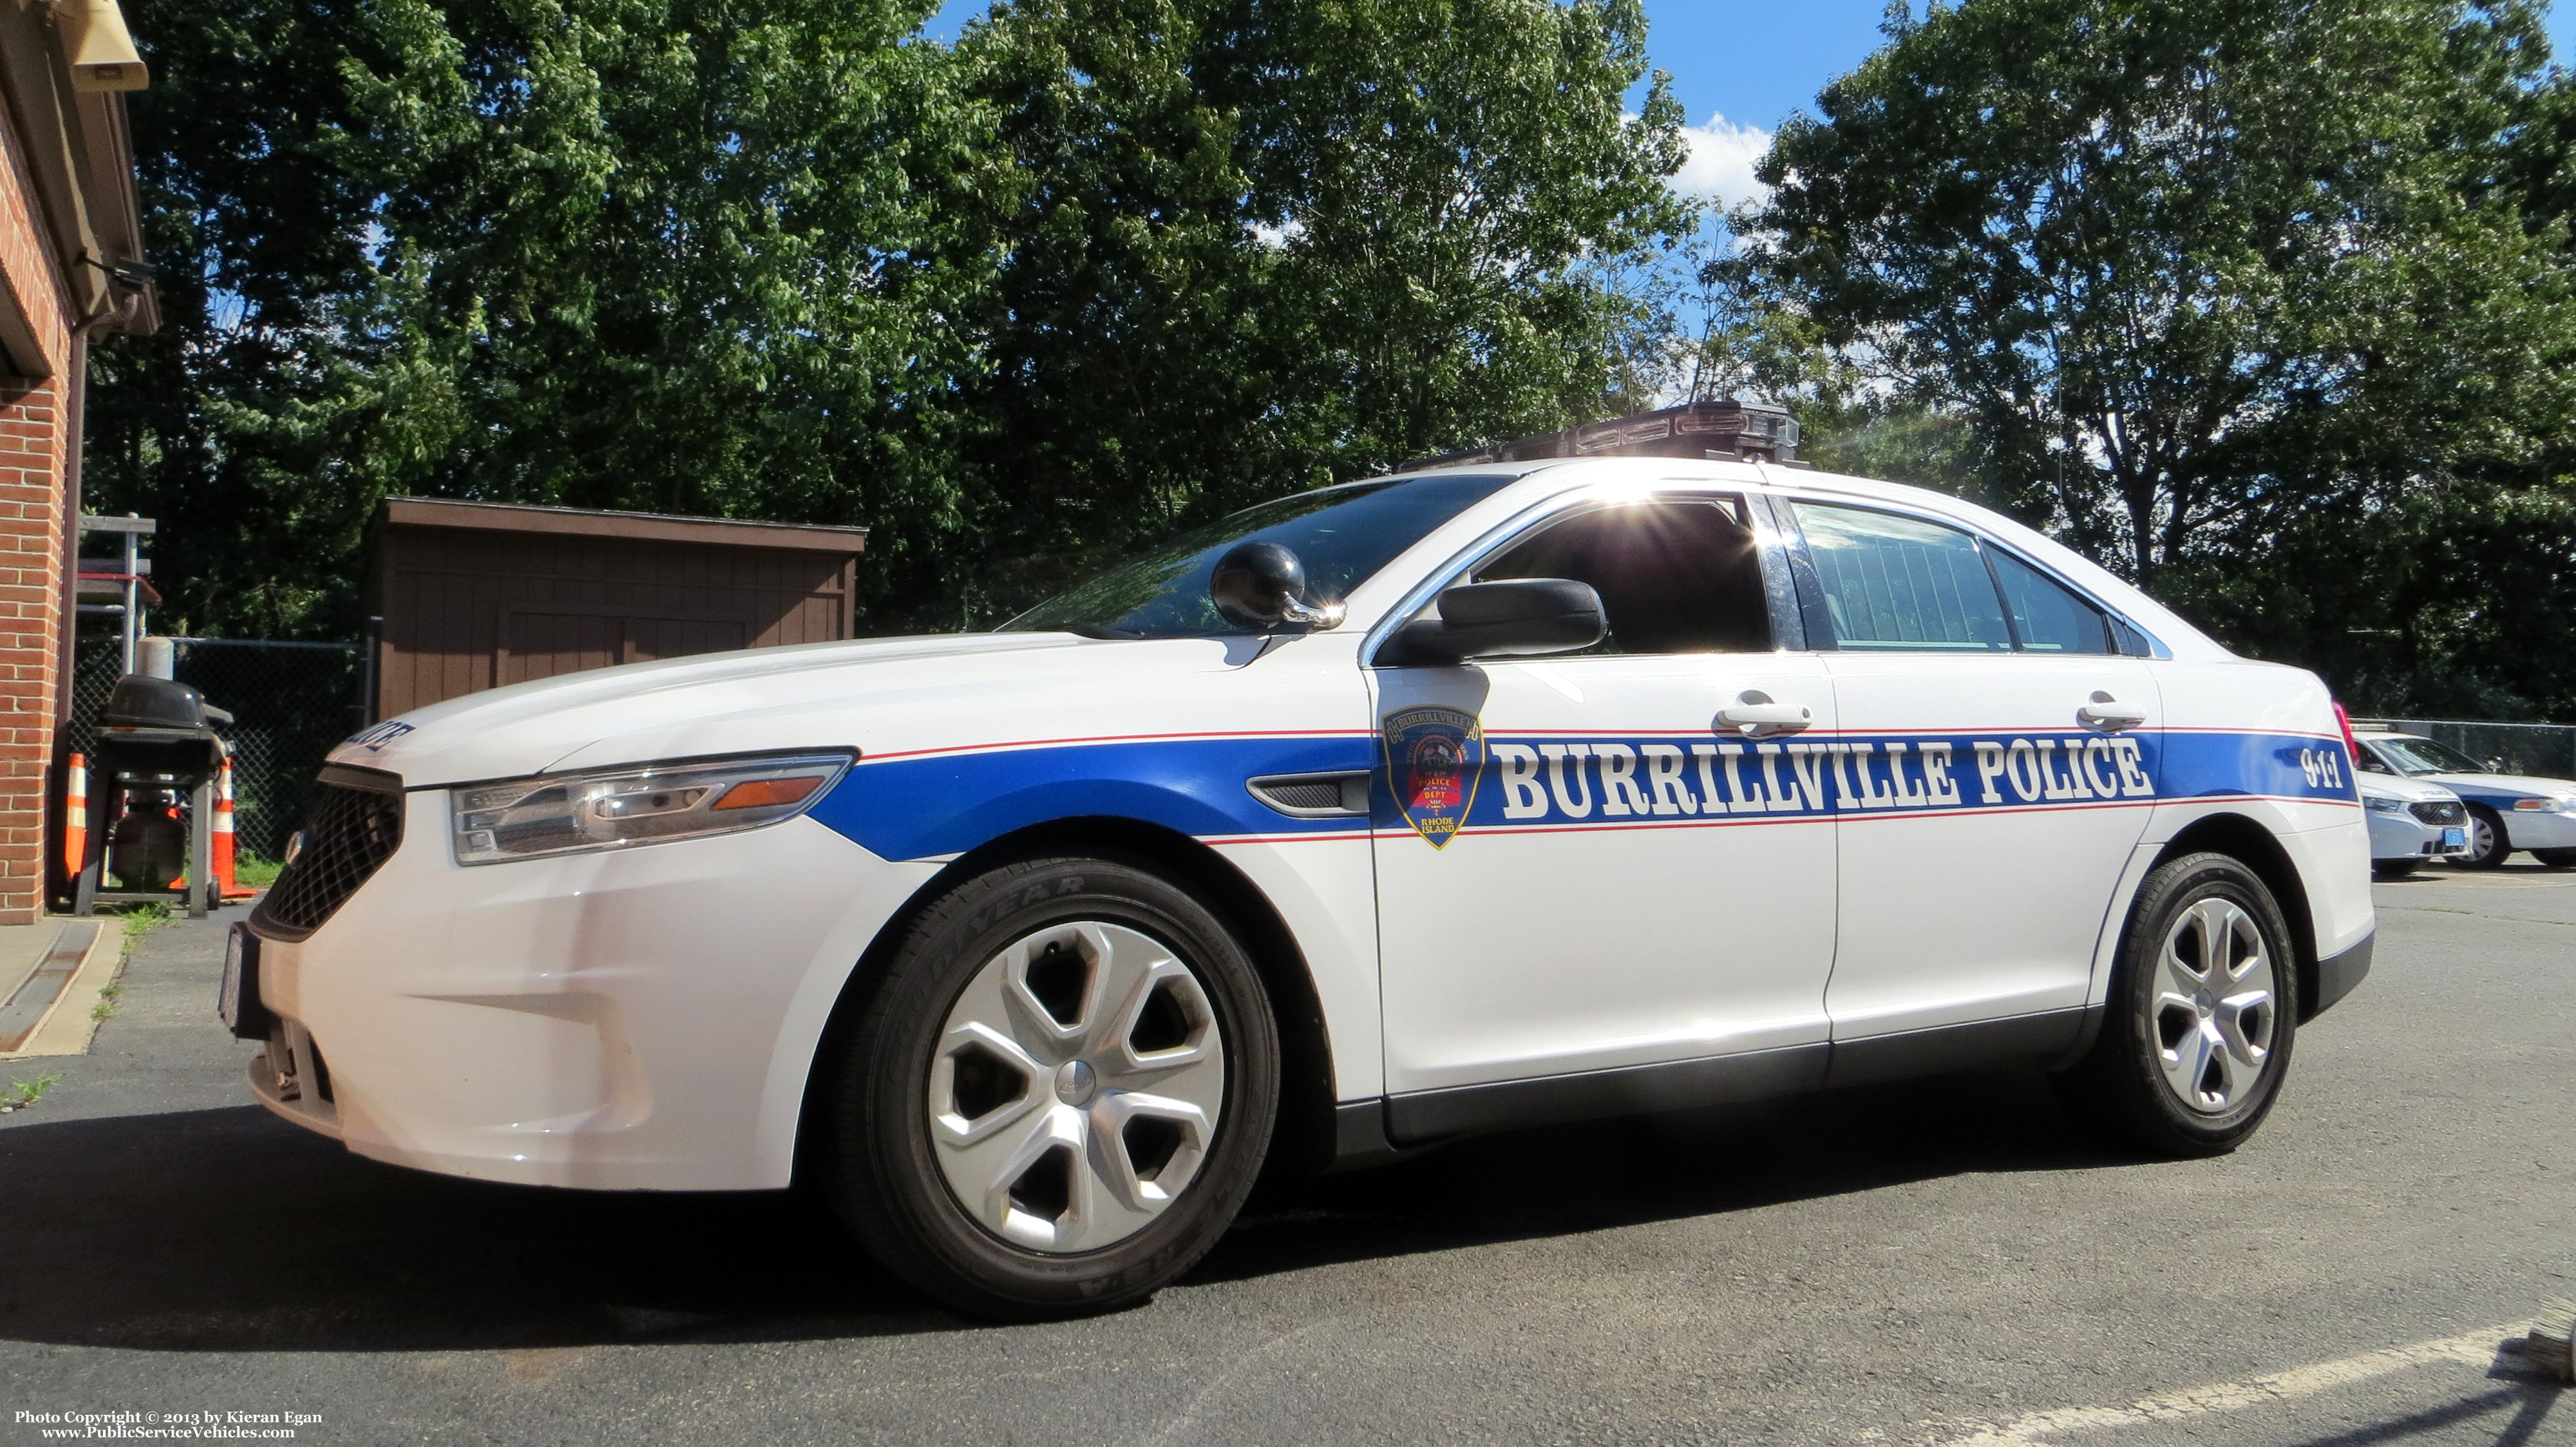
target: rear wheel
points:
(2203, 1010)
(2393, 868)
(2556, 858)
(2487, 844)
(1060, 1094)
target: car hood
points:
(2521, 784)
(2400, 787)
(527, 728)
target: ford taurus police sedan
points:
(1355, 822)
(2411, 821)
(2506, 811)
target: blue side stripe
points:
(913, 808)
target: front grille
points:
(2440, 811)
(351, 833)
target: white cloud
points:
(1720, 165)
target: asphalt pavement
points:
(1941, 1262)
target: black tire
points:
(2121, 1085)
(2393, 868)
(2556, 858)
(881, 1170)
(2498, 847)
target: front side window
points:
(1898, 584)
(1674, 575)
(1343, 535)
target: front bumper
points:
(636, 1019)
(2403, 836)
(2539, 829)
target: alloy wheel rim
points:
(2215, 1007)
(2482, 837)
(1077, 1087)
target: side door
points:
(1578, 874)
(1995, 773)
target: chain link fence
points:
(291, 702)
(2545, 750)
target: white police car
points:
(1459, 800)
(2411, 821)
(2506, 811)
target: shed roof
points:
(439, 512)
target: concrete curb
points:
(67, 1027)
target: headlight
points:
(635, 804)
(2561, 804)
(2384, 806)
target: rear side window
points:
(1675, 576)
(2050, 619)
(1899, 584)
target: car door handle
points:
(2109, 714)
(1755, 716)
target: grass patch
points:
(105, 1009)
(252, 872)
(142, 917)
(24, 1093)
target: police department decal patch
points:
(1433, 758)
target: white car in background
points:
(2411, 821)
(1370, 817)
(2506, 811)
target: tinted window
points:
(1895, 583)
(1343, 535)
(2051, 619)
(1674, 577)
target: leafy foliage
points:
(2217, 290)
(1104, 267)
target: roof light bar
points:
(1749, 431)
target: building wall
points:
(34, 459)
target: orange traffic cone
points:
(225, 886)
(76, 817)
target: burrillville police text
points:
(166, 1426)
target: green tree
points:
(2195, 274)
(1101, 269)
(252, 423)
(689, 255)
(1267, 244)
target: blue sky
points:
(1738, 66)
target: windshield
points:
(1343, 535)
(2423, 756)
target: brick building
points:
(71, 267)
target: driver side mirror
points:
(1516, 618)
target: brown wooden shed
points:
(474, 595)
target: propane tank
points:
(150, 846)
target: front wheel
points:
(2203, 1010)
(2487, 843)
(2556, 858)
(1060, 1093)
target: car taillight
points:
(2352, 745)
